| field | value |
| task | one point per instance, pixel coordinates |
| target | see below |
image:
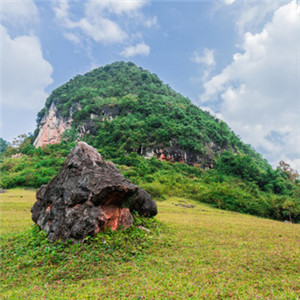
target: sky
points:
(238, 59)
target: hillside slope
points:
(236, 183)
(194, 252)
(129, 115)
(123, 106)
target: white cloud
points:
(251, 14)
(115, 7)
(212, 112)
(97, 23)
(150, 22)
(259, 90)
(206, 62)
(139, 49)
(207, 58)
(295, 164)
(72, 37)
(93, 24)
(19, 13)
(102, 30)
(61, 10)
(229, 2)
(25, 72)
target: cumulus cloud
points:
(19, 13)
(25, 72)
(97, 22)
(207, 58)
(229, 2)
(250, 15)
(206, 62)
(139, 49)
(93, 24)
(258, 92)
(102, 30)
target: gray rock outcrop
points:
(87, 196)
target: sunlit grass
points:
(14, 210)
(204, 253)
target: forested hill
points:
(123, 106)
(129, 115)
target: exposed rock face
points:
(176, 154)
(87, 196)
(51, 128)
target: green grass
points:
(15, 208)
(192, 253)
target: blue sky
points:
(237, 59)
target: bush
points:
(156, 190)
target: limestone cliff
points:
(51, 128)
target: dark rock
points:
(143, 204)
(185, 205)
(87, 196)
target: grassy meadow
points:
(193, 252)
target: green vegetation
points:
(193, 252)
(134, 109)
(246, 168)
(33, 167)
(123, 110)
(164, 179)
(3, 145)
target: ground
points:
(200, 253)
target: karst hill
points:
(157, 138)
(121, 105)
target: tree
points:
(20, 144)
(291, 174)
(20, 140)
(3, 145)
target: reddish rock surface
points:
(87, 196)
(51, 128)
(117, 217)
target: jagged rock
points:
(87, 196)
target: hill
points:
(157, 138)
(193, 252)
(123, 106)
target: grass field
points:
(193, 252)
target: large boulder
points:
(87, 196)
